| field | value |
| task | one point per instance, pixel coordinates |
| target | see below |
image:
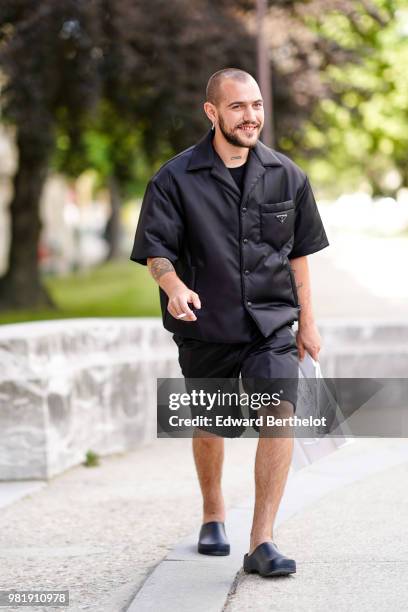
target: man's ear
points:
(210, 111)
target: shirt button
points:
(249, 303)
(245, 240)
(244, 210)
(246, 272)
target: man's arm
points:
(308, 337)
(178, 293)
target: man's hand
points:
(178, 303)
(179, 295)
(308, 339)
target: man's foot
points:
(266, 560)
(213, 539)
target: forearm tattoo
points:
(298, 285)
(159, 266)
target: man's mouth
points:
(248, 129)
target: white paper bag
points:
(309, 450)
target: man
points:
(225, 228)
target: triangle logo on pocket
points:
(281, 217)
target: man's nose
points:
(250, 115)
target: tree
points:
(49, 57)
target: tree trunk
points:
(113, 228)
(20, 287)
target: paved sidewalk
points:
(99, 531)
(333, 529)
(351, 551)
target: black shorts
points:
(266, 365)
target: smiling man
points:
(226, 227)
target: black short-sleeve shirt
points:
(231, 246)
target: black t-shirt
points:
(238, 175)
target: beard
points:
(236, 139)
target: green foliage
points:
(361, 130)
(49, 66)
(109, 145)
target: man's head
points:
(234, 106)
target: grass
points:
(114, 289)
(92, 459)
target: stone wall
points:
(70, 386)
(364, 348)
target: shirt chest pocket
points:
(277, 222)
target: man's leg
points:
(272, 463)
(208, 450)
(272, 365)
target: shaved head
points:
(214, 85)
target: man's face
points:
(240, 112)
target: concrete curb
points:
(12, 491)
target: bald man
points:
(225, 228)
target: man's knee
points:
(275, 420)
